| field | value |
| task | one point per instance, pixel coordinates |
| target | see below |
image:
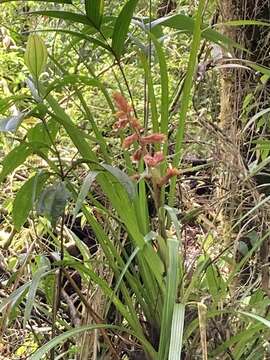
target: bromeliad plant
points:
(151, 287)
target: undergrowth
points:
(113, 228)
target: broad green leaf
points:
(35, 56)
(123, 179)
(11, 123)
(177, 332)
(121, 27)
(32, 293)
(14, 158)
(52, 202)
(26, 197)
(88, 181)
(94, 11)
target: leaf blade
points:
(121, 27)
(94, 11)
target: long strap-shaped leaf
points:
(121, 27)
(177, 332)
(94, 11)
(170, 298)
(66, 335)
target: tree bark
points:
(241, 196)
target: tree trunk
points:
(242, 196)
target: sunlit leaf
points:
(35, 55)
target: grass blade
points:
(177, 332)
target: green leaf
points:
(52, 202)
(256, 317)
(7, 102)
(26, 197)
(88, 181)
(94, 11)
(38, 355)
(11, 123)
(172, 283)
(187, 24)
(35, 56)
(63, 15)
(14, 158)
(164, 80)
(80, 36)
(14, 296)
(244, 23)
(32, 293)
(123, 179)
(177, 332)
(39, 134)
(121, 27)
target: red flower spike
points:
(121, 103)
(134, 123)
(172, 172)
(153, 161)
(155, 138)
(121, 123)
(138, 155)
(129, 140)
